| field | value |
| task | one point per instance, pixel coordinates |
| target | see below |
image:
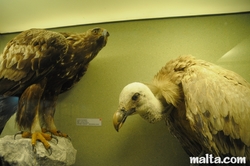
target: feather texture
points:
(206, 107)
(37, 65)
(216, 100)
(29, 57)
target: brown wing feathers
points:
(35, 56)
(217, 107)
(30, 55)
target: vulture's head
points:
(137, 98)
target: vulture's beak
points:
(120, 116)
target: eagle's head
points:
(97, 36)
(91, 42)
(137, 98)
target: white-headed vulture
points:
(206, 107)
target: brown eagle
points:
(35, 67)
(206, 107)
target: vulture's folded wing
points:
(218, 108)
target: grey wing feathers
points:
(217, 101)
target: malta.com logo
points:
(210, 159)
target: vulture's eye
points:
(135, 96)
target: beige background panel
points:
(21, 15)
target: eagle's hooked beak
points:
(105, 33)
(120, 117)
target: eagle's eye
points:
(95, 31)
(135, 96)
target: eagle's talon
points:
(59, 133)
(68, 137)
(34, 148)
(49, 150)
(20, 132)
(53, 137)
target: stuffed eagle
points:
(206, 107)
(35, 67)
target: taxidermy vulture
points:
(206, 107)
(36, 66)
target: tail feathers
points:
(8, 106)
